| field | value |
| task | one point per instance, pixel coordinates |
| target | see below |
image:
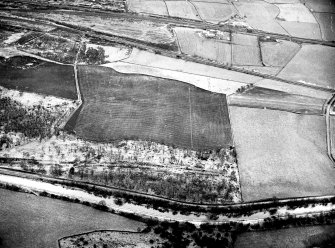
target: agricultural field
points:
(156, 34)
(23, 220)
(295, 12)
(318, 61)
(297, 237)
(214, 12)
(194, 42)
(281, 154)
(278, 53)
(156, 7)
(260, 15)
(302, 29)
(182, 9)
(33, 75)
(257, 97)
(245, 50)
(143, 107)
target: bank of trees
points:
(33, 122)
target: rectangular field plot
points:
(214, 12)
(278, 53)
(33, 75)
(246, 50)
(182, 9)
(156, 7)
(313, 64)
(121, 106)
(192, 42)
(281, 154)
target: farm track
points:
(261, 203)
(145, 46)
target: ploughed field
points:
(281, 154)
(27, 220)
(33, 75)
(122, 106)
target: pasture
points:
(278, 53)
(148, 6)
(33, 75)
(182, 9)
(313, 64)
(214, 12)
(295, 12)
(260, 15)
(119, 106)
(192, 42)
(245, 50)
(30, 221)
(302, 29)
(281, 154)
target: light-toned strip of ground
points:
(140, 57)
(8, 52)
(216, 85)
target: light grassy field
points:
(296, 12)
(32, 221)
(298, 237)
(313, 64)
(214, 12)
(128, 106)
(245, 50)
(281, 154)
(302, 29)
(148, 6)
(278, 53)
(260, 15)
(193, 43)
(182, 9)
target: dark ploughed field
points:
(33, 75)
(127, 106)
(27, 220)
